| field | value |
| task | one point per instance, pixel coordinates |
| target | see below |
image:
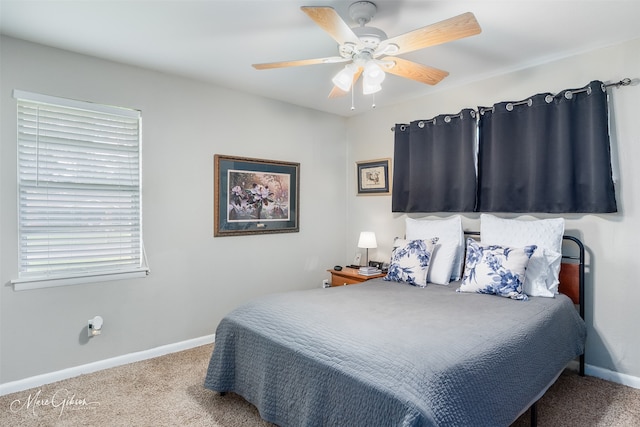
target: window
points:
(79, 188)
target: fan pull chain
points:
(353, 107)
(373, 105)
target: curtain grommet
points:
(509, 107)
(420, 124)
(548, 99)
(447, 119)
(568, 94)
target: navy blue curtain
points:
(547, 154)
(434, 164)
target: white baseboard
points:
(39, 380)
(612, 376)
(51, 377)
(605, 374)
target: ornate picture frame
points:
(374, 177)
(255, 196)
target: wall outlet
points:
(325, 283)
(94, 326)
(357, 258)
(92, 330)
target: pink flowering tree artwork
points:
(256, 196)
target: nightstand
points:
(350, 276)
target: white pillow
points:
(449, 232)
(442, 261)
(541, 278)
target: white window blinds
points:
(78, 190)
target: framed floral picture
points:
(255, 196)
(373, 177)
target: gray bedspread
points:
(389, 354)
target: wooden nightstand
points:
(350, 276)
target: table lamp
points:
(367, 240)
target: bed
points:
(393, 354)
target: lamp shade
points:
(344, 78)
(374, 73)
(368, 89)
(367, 240)
(372, 78)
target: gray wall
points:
(195, 278)
(612, 284)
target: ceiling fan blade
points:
(336, 92)
(283, 64)
(329, 20)
(455, 28)
(414, 71)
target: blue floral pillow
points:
(410, 261)
(494, 269)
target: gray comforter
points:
(390, 354)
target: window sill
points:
(28, 284)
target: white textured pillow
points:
(449, 232)
(544, 266)
(442, 261)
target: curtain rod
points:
(624, 82)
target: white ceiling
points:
(218, 40)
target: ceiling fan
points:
(369, 52)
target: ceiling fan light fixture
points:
(374, 73)
(372, 77)
(369, 88)
(370, 53)
(344, 78)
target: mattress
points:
(383, 353)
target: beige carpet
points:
(168, 391)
